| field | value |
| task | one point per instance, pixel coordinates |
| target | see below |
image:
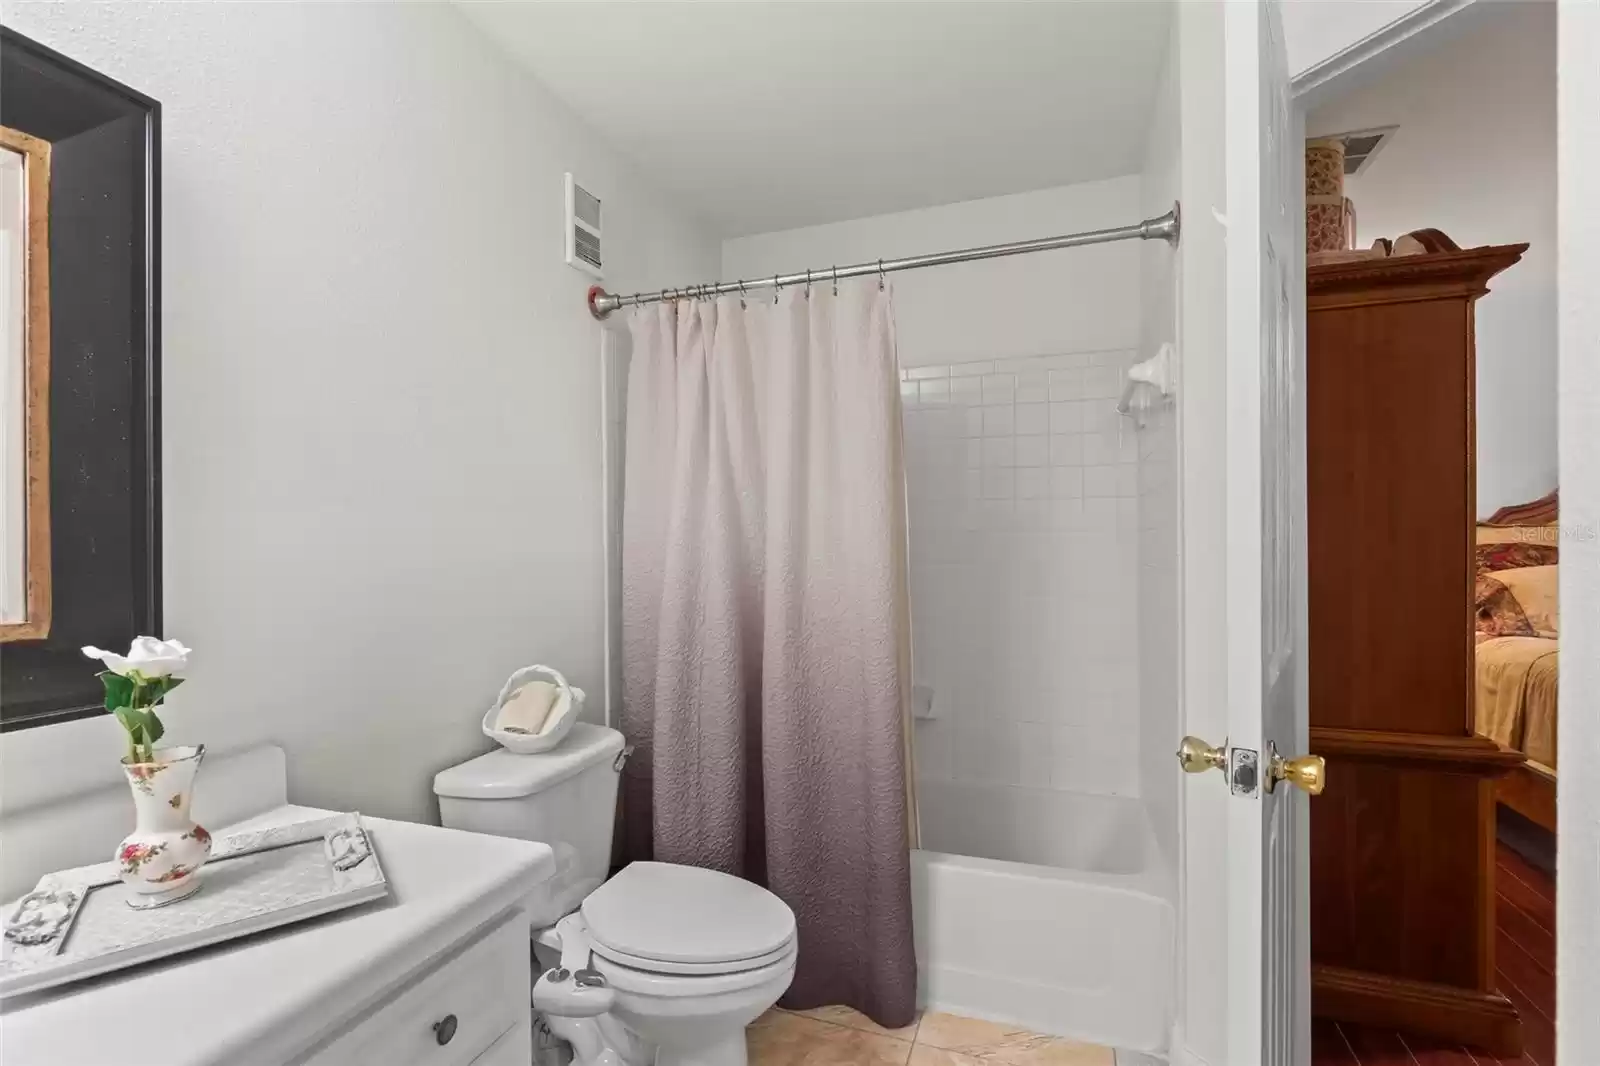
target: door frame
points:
(1200, 1036)
(1201, 1002)
(1578, 449)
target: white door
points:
(1245, 857)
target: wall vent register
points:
(583, 228)
(1360, 146)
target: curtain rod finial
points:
(602, 303)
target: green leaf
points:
(153, 727)
(158, 688)
(119, 690)
(132, 721)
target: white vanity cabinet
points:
(472, 1001)
(438, 974)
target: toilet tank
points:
(566, 798)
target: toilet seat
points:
(691, 969)
(654, 984)
(665, 919)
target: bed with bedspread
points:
(1518, 649)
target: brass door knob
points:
(1308, 773)
(1196, 756)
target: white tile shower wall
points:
(1022, 534)
(1022, 485)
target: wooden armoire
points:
(1403, 838)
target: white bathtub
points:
(1043, 909)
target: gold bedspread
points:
(1517, 694)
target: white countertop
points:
(265, 998)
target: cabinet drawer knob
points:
(444, 1030)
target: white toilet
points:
(662, 965)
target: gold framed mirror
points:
(24, 386)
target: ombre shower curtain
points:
(765, 624)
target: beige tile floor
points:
(838, 1036)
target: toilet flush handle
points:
(622, 758)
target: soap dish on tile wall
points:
(1150, 382)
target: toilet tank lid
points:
(502, 774)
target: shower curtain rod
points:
(602, 303)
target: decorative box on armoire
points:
(1402, 840)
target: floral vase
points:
(160, 859)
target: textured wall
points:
(382, 420)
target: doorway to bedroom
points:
(1434, 544)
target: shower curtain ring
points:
(776, 289)
(836, 279)
(880, 275)
(741, 293)
(808, 283)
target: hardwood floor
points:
(1525, 954)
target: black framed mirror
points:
(80, 471)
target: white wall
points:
(1475, 156)
(1159, 651)
(1021, 485)
(1074, 300)
(1578, 868)
(382, 428)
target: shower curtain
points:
(765, 620)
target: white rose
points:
(148, 657)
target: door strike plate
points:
(1244, 771)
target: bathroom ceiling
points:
(767, 116)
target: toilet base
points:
(593, 1045)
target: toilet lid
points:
(657, 912)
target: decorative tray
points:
(76, 923)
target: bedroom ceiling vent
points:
(1361, 145)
